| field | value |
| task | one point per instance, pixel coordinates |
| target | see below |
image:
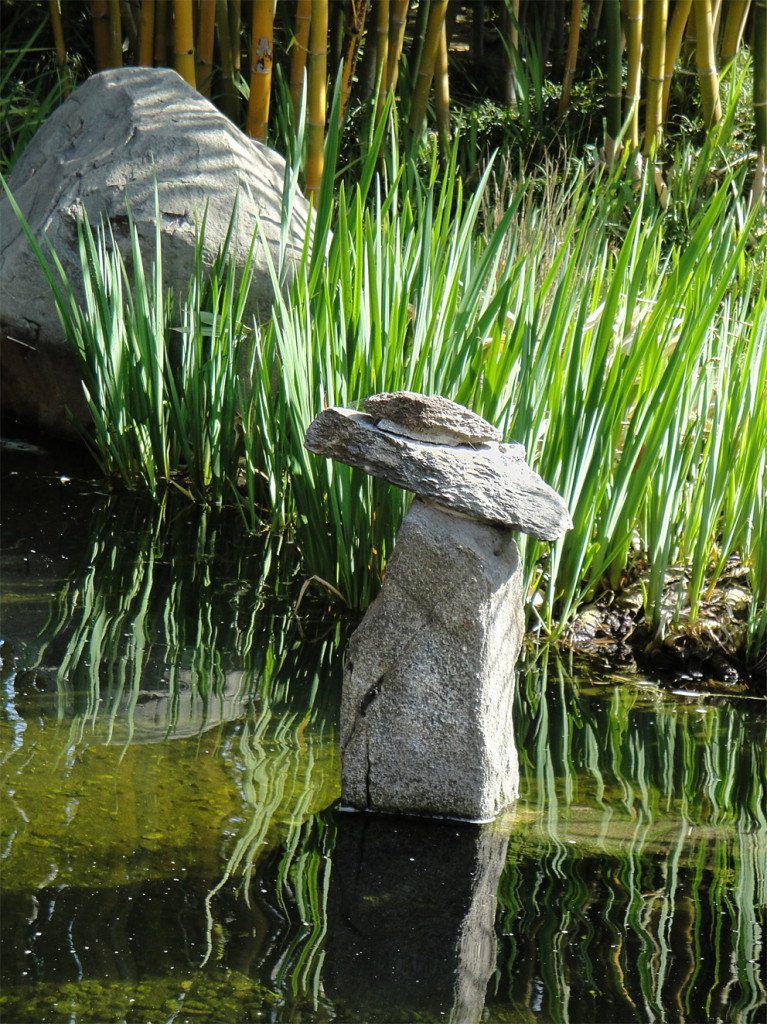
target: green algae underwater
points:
(173, 848)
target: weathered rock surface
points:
(491, 482)
(112, 138)
(426, 715)
(430, 418)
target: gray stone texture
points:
(111, 139)
(426, 715)
(489, 482)
(429, 418)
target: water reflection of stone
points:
(411, 915)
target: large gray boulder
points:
(118, 133)
(426, 712)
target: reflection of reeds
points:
(646, 863)
(151, 615)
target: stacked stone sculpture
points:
(426, 713)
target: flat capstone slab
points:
(491, 483)
(430, 418)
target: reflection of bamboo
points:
(572, 55)
(706, 60)
(183, 41)
(146, 33)
(355, 26)
(318, 65)
(61, 50)
(298, 54)
(656, 62)
(205, 36)
(437, 11)
(260, 69)
(673, 45)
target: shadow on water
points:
(171, 843)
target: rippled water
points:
(172, 848)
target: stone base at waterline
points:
(426, 714)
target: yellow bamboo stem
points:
(261, 68)
(235, 39)
(734, 26)
(657, 11)
(102, 43)
(426, 69)
(61, 50)
(146, 33)
(634, 20)
(511, 55)
(183, 41)
(442, 93)
(706, 61)
(299, 53)
(572, 54)
(383, 13)
(398, 24)
(355, 25)
(206, 30)
(674, 38)
(316, 99)
(115, 35)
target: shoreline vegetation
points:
(616, 329)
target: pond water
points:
(172, 846)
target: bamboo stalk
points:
(614, 96)
(759, 49)
(656, 63)
(230, 97)
(355, 27)
(298, 54)
(442, 94)
(146, 33)
(706, 61)
(235, 39)
(572, 54)
(115, 35)
(316, 100)
(261, 68)
(183, 41)
(162, 14)
(674, 38)
(101, 37)
(511, 56)
(383, 12)
(397, 26)
(734, 26)
(206, 31)
(634, 20)
(437, 11)
(61, 50)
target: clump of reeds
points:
(625, 350)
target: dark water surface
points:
(172, 848)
